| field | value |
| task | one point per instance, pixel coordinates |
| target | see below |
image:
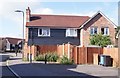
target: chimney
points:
(28, 14)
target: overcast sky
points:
(11, 22)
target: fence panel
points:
(46, 48)
(113, 52)
(91, 51)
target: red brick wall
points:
(98, 21)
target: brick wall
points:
(98, 21)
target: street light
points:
(23, 30)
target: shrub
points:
(53, 57)
(100, 40)
(24, 59)
(40, 58)
(65, 60)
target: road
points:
(4, 70)
(37, 69)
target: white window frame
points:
(13, 45)
(93, 28)
(43, 32)
(105, 29)
(68, 30)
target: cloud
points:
(43, 11)
(14, 20)
(52, 12)
(81, 14)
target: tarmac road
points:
(4, 70)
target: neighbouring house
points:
(2, 44)
(12, 43)
(117, 38)
(49, 30)
(119, 47)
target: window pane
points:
(45, 32)
(106, 31)
(102, 30)
(91, 31)
(48, 32)
(71, 32)
(40, 31)
(95, 30)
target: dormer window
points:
(70, 32)
(43, 32)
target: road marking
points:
(12, 70)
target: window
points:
(44, 32)
(13, 45)
(93, 31)
(105, 31)
(71, 32)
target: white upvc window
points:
(105, 31)
(13, 45)
(93, 30)
(43, 32)
(71, 32)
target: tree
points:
(100, 40)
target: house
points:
(12, 43)
(119, 47)
(2, 44)
(58, 29)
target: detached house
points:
(12, 43)
(58, 29)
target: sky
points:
(11, 24)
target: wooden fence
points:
(46, 48)
(113, 52)
(89, 55)
(80, 55)
(84, 55)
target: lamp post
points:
(23, 31)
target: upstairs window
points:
(43, 32)
(71, 32)
(105, 31)
(93, 31)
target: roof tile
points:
(57, 21)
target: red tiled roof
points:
(57, 21)
(13, 40)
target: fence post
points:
(63, 49)
(86, 54)
(68, 50)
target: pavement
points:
(24, 68)
(4, 70)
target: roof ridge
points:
(13, 38)
(59, 15)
